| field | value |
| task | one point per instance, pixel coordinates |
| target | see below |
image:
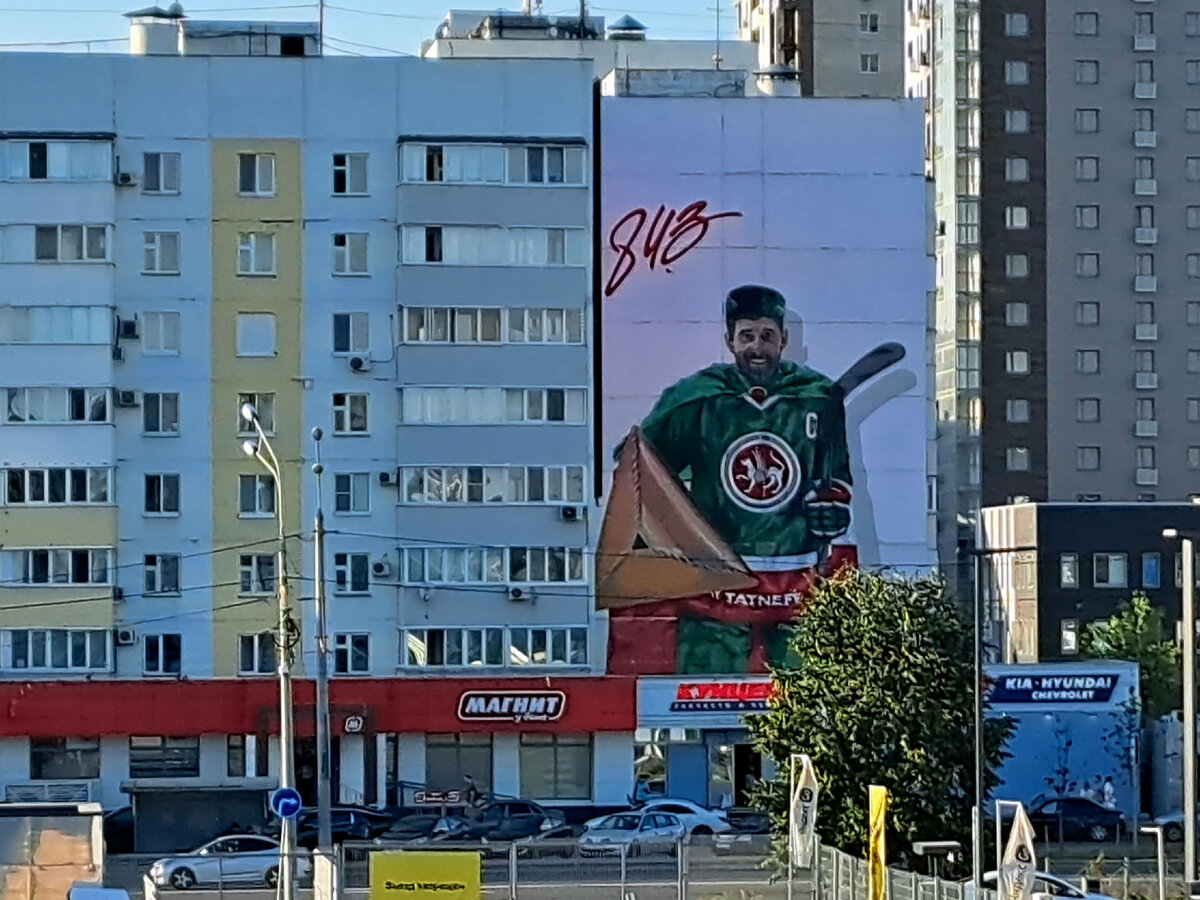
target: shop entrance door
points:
(747, 771)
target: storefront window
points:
(64, 758)
(649, 767)
(556, 766)
(720, 775)
(450, 758)
(164, 757)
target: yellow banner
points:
(877, 881)
(425, 875)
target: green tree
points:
(1136, 633)
(882, 693)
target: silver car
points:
(637, 832)
(233, 859)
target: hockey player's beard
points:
(760, 377)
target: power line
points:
(367, 46)
(66, 43)
(437, 17)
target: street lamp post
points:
(324, 770)
(262, 450)
(1160, 857)
(1189, 701)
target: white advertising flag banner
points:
(1020, 862)
(802, 818)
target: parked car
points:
(1172, 826)
(508, 820)
(697, 819)
(347, 823)
(558, 841)
(233, 859)
(1046, 886)
(410, 827)
(1076, 819)
(637, 832)
(749, 836)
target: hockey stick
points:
(869, 365)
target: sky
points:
(357, 27)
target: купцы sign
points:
(722, 696)
(511, 706)
(1053, 689)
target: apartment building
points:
(395, 251)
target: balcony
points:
(1145, 381)
(1145, 428)
(1145, 187)
(1145, 42)
(1145, 90)
(1146, 331)
(1145, 235)
(1145, 284)
(1148, 477)
(49, 792)
(1145, 139)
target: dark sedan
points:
(1076, 819)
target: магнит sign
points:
(511, 706)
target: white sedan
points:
(696, 819)
(234, 859)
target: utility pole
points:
(324, 766)
(977, 811)
(262, 450)
(1188, 573)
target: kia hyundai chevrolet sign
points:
(512, 706)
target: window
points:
(492, 484)
(1191, 24)
(255, 334)
(257, 573)
(351, 333)
(1016, 121)
(351, 653)
(1068, 570)
(479, 405)
(164, 757)
(235, 756)
(482, 164)
(868, 63)
(162, 495)
(1087, 71)
(1016, 25)
(160, 253)
(256, 653)
(70, 160)
(1016, 168)
(349, 413)
(1193, 456)
(1016, 265)
(450, 758)
(1087, 168)
(160, 333)
(1191, 121)
(1068, 636)
(1087, 24)
(1016, 218)
(350, 572)
(352, 492)
(1143, 23)
(1087, 312)
(59, 565)
(349, 174)
(1143, 360)
(1087, 459)
(1109, 570)
(1192, 168)
(544, 165)
(487, 245)
(161, 654)
(350, 253)
(493, 565)
(1143, 120)
(1087, 265)
(1016, 362)
(1016, 411)
(1193, 218)
(30, 406)
(160, 414)
(1087, 362)
(56, 325)
(1016, 72)
(556, 766)
(1145, 216)
(160, 573)
(64, 759)
(1151, 570)
(256, 174)
(256, 253)
(1143, 71)
(264, 406)
(1087, 121)
(868, 23)
(1144, 263)
(445, 647)
(70, 243)
(1193, 265)
(1087, 409)
(475, 325)
(256, 496)
(1192, 70)
(1087, 217)
(1143, 167)
(1193, 312)
(160, 173)
(1193, 361)
(54, 649)
(74, 487)
(1193, 409)
(1016, 314)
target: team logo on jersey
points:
(760, 472)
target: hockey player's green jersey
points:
(753, 454)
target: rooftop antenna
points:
(717, 55)
(582, 19)
(527, 7)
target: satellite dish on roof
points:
(176, 10)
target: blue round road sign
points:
(286, 802)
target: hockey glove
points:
(827, 509)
